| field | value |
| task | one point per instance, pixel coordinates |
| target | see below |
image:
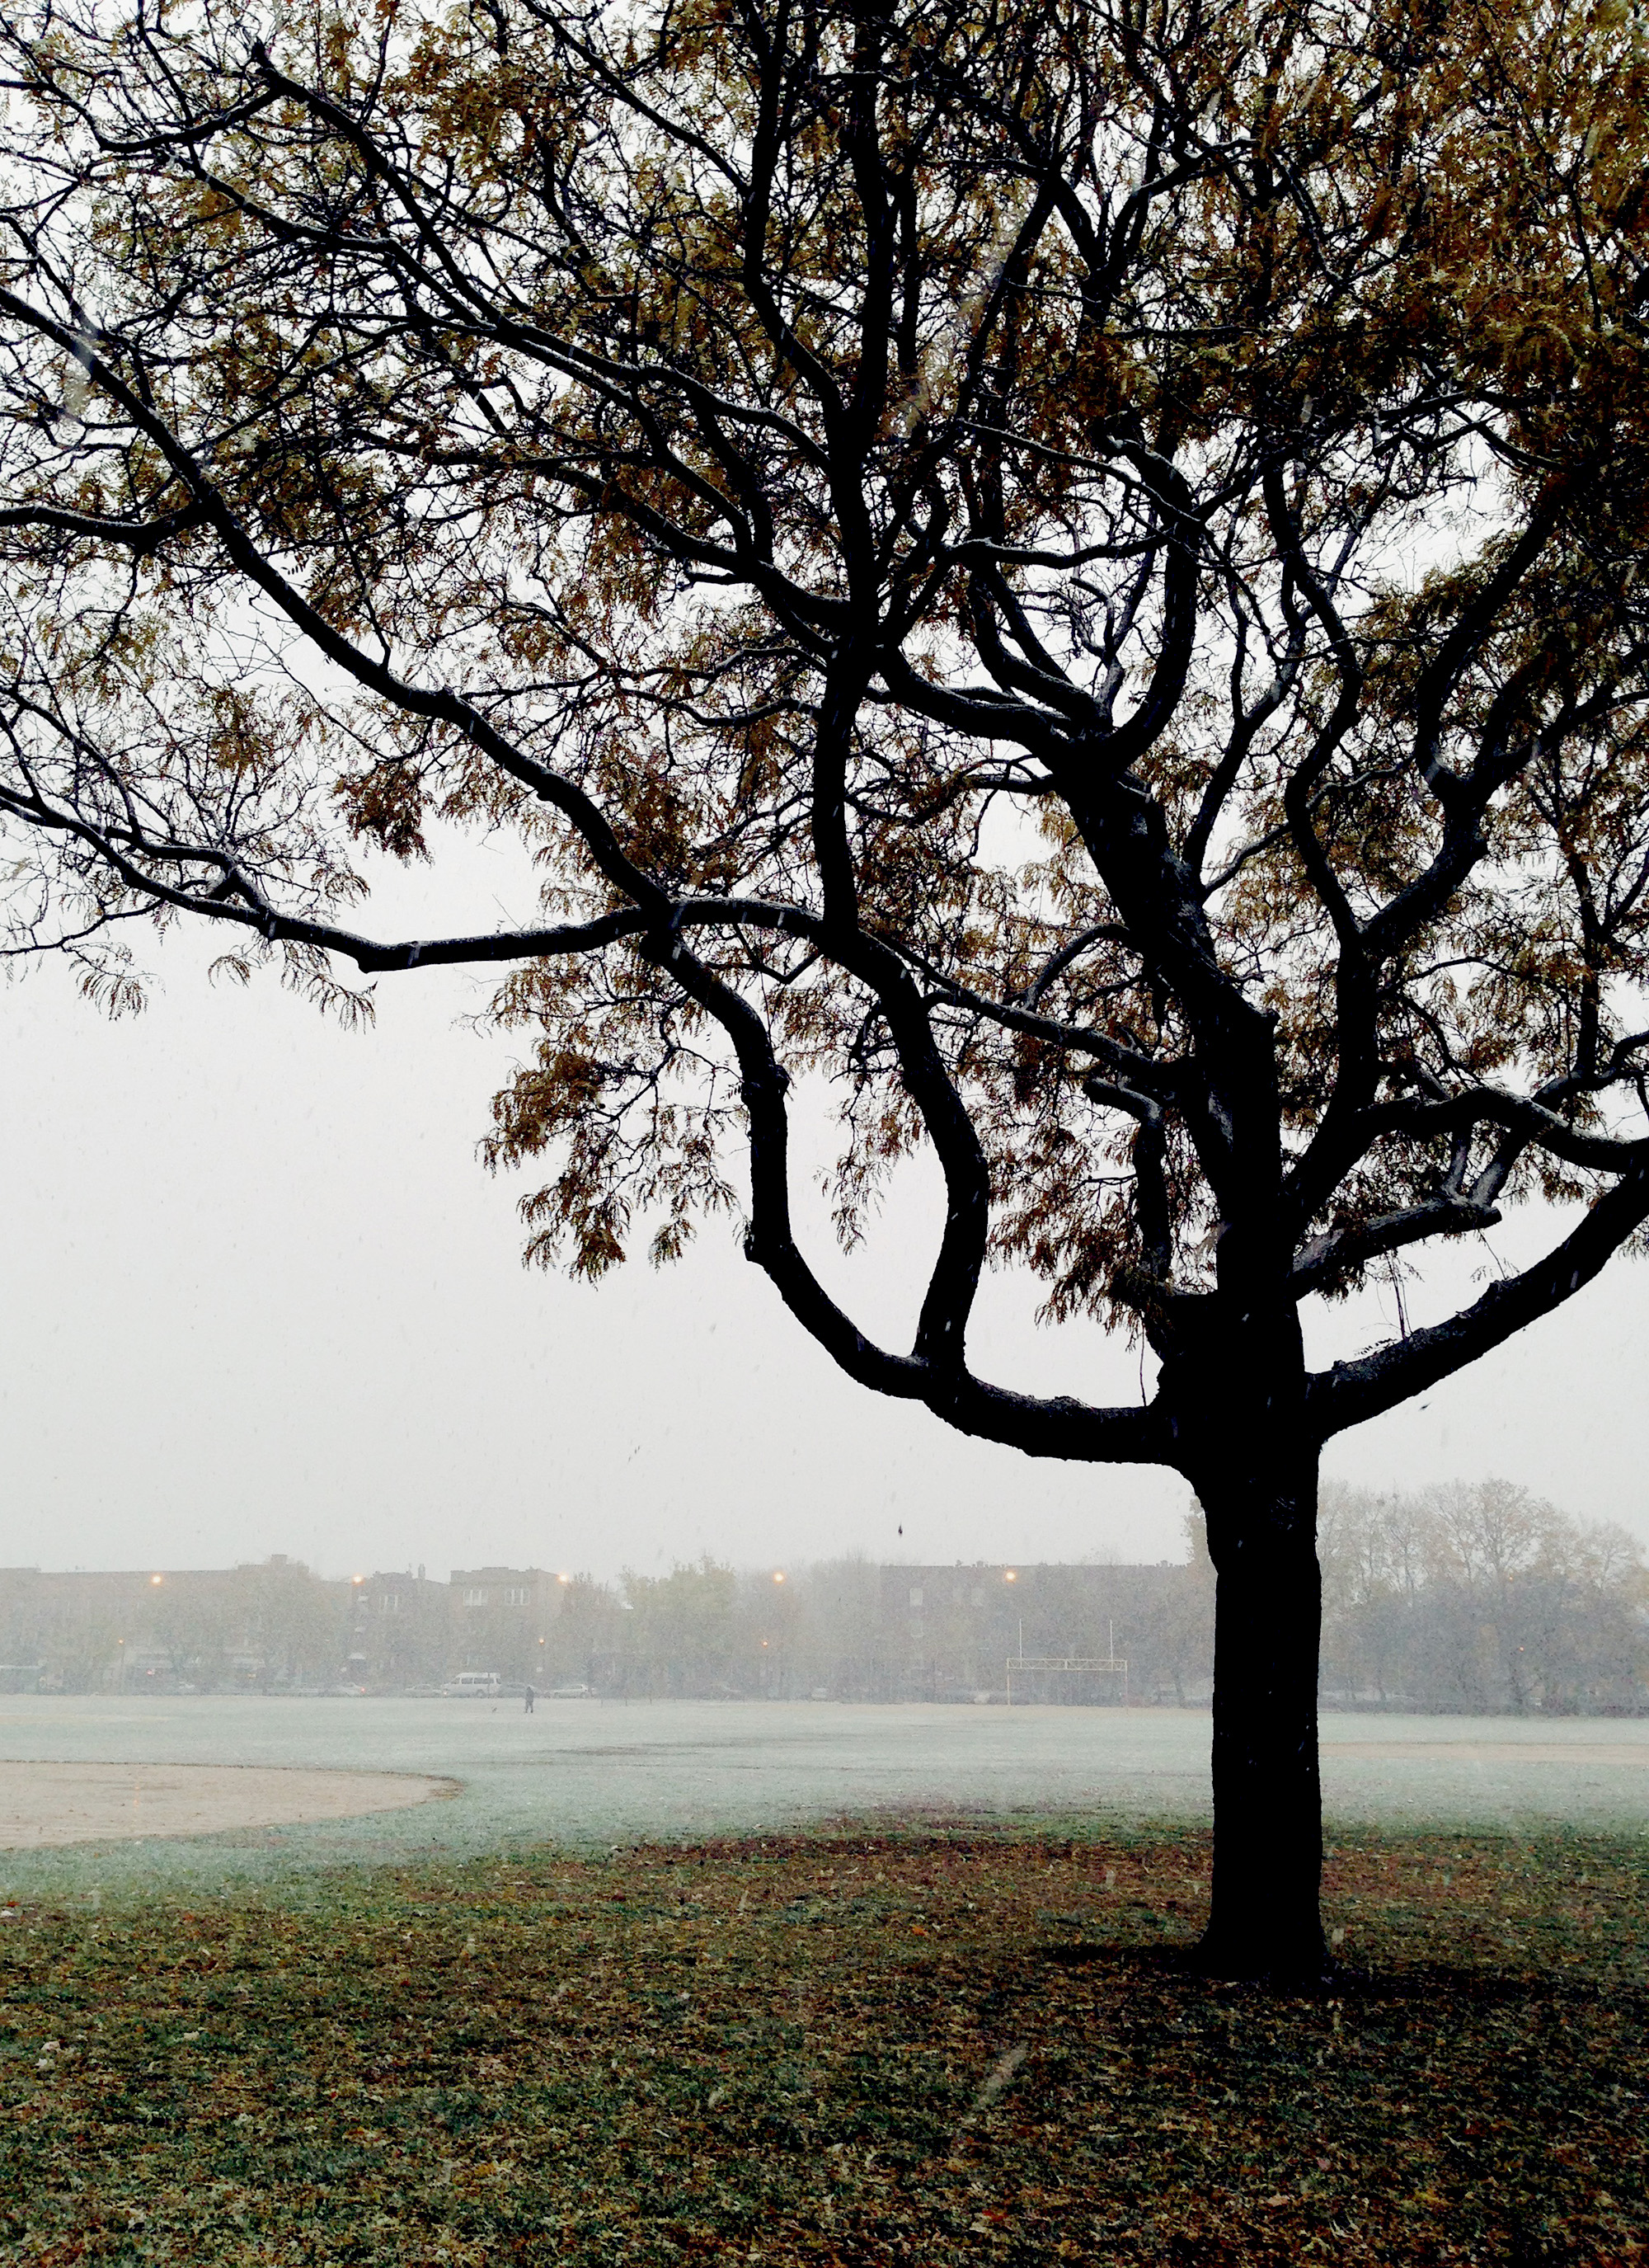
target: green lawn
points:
(928, 2048)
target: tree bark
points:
(1261, 1513)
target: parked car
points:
(474, 1685)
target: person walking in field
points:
(531, 1698)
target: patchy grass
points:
(934, 2047)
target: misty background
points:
(261, 1296)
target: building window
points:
(474, 1598)
(389, 1602)
(517, 1594)
(916, 1602)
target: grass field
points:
(930, 2047)
(584, 1775)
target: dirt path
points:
(51, 1803)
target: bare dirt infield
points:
(46, 1804)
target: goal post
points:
(1038, 1667)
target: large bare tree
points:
(1073, 569)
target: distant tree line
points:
(1476, 1599)
(1480, 1599)
(1473, 1598)
(850, 1630)
(846, 1629)
(254, 1628)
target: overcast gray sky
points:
(261, 1296)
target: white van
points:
(475, 1685)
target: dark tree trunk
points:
(1261, 1516)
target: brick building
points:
(269, 1627)
(502, 1619)
(846, 1630)
(944, 1631)
(400, 1632)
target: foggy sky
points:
(260, 1296)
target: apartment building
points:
(269, 1626)
(400, 1632)
(502, 1619)
(943, 1631)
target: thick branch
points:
(1327, 1258)
(1056, 1427)
(1353, 1392)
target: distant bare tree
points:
(1482, 1598)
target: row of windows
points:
(976, 1598)
(511, 1594)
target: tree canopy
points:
(1073, 571)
